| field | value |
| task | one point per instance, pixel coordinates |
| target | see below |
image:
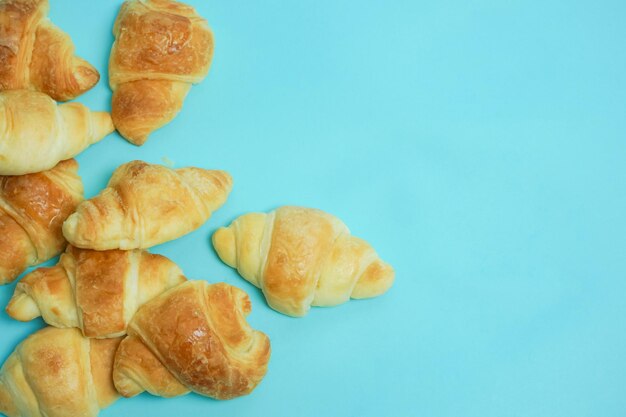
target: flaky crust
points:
(35, 133)
(32, 210)
(161, 48)
(144, 205)
(301, 257)
(58, 373)
(96, 291)
(193, 338)
(37, 55)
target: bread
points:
(36, 134)
(161, 48)
(192, 338)
(301, 257)
(37, 55)
(58, 373)
(98, 292)
(144, 205)
(32, 210)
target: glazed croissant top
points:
(32, 210)
(301, 257)
(192, 338)
(161, 48)
(96, 291)
(144, 205)
(58, 373)
(35, 133)
(160, 40)
(35, 54)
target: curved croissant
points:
(32, 210)
(301, 257)
(144, 205)
(58, 373)
(161, 48)
(192, 338)
(37, 55)
(35, 133)
(96, 291)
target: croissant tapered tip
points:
(85, 74)
(377, 278)
(225, 245)
(84, 77)
(78, 233)
(70, 227)
(102, 124)
(136, 139)
(22, 307)
(67, 165)
(225, 178)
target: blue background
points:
(478, 145)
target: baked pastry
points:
(161, 48)
(301, 257)
(96, 291)
(36, 134)
(58, 373)
(32, 210)
(192, 338)
(37, 55)
(144, 205)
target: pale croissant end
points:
(96, 291)
(192, 338)
(161, 48)
(37, 55)
(32, 210)
(58, 373)
(145, 205)
(35, 133)
(301, 257)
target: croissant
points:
(58, 373)
(32, 210)
(144, 205)
(98, 292)
(301, 257)
(161, 48)
(35, 133)
(192, 338)
(37, 55)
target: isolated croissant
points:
(161, 48)
(37, 55)
(192, 338)
(35, 133)
(96, 291)
(58, 373)
(32, 210)
(144, 205)
(301, 257)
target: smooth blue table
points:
(480, 146)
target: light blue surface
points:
(480, 146)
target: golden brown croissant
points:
(144, 205)
(58, 373)
(35, 133)
(301, 257)
(35, 54)
(96, 291)
(192, 338)
(32, 210)
(161, 48)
